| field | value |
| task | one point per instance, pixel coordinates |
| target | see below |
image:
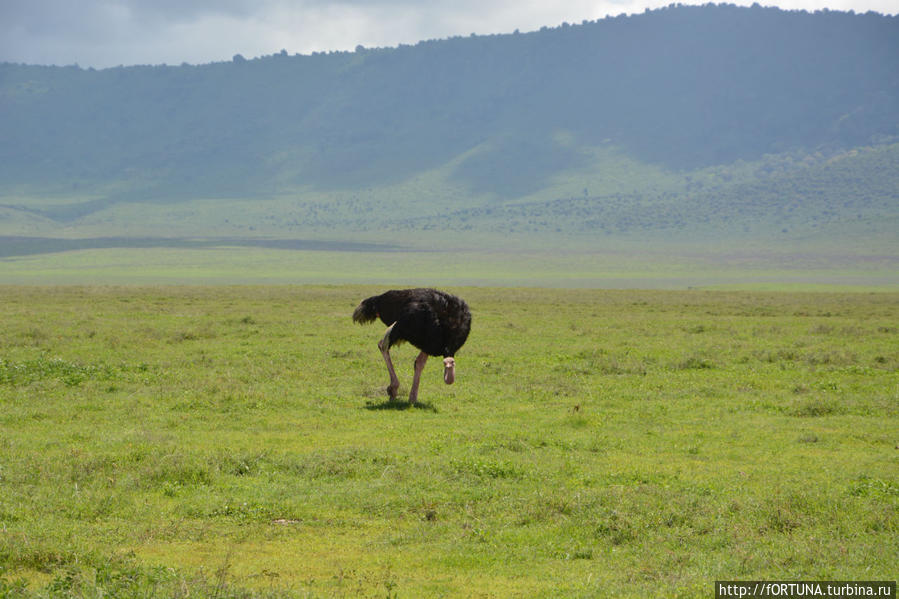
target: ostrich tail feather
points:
(366, 311)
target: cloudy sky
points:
(104, 33)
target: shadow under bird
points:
(435, 322)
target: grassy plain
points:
(237, 442)
(618, 266)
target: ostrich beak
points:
(449, 370)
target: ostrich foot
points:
(391, 390)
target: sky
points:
(107, 33)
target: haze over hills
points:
(692, 123)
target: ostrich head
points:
(449, 370)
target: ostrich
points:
(435, 322)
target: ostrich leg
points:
(419, 366)
(384, 346)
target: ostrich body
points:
(435, 322)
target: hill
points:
(718, 121)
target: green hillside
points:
(685, 125)
(856, 190)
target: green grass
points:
(237, 442)
(623, 265)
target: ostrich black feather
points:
(435, 322)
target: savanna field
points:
(238, 442)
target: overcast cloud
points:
(104, 33)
